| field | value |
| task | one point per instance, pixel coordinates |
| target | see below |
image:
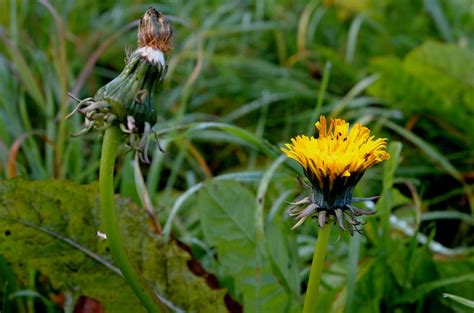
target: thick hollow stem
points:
(311, 298)
(112, 140)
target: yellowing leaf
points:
(52, 226)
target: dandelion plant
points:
(123, 109)
(333, 163)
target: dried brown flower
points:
(155, 31)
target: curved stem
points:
(112, 140)
(311, 298)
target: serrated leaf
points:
(52, 226)
(227, 216)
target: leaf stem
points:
(142, 290)
(311, 298)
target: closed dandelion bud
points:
(127, 100)
(334, 163)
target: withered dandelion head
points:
(126, 101)
(334, 163)
(155, 31)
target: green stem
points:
(311, 298)
(112, 140)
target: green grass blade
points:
(461, 300)
(427, 149)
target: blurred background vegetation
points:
(244, 77)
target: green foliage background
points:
(244, 77)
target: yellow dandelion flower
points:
(334, 163)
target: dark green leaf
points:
(414, 295)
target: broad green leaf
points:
(52, 226)
(440, 65)
(284, 262)
(434, 78)
(227, 216)
(401, 88)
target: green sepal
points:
(130, 93)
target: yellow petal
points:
(338, 151)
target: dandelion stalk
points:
(123, 108)
(333, 163)
(312, 293)
(112, 140)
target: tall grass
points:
(243, 78)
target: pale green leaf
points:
(458, 299)
(434, 78)
(227, 216)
